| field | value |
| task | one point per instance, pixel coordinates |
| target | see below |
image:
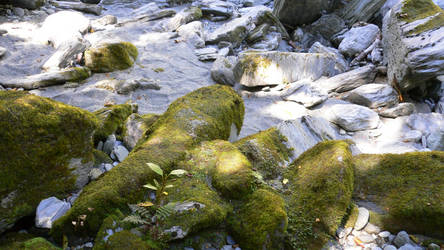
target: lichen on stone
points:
(413, 10)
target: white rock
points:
(222, 70)
(432, 127)
(358, 39)
(108, 167)
(341, 64)
(413, 136)
(352, 117)
(49, 210)
(363, 217)
(193, 33)
(63, 26)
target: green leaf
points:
(169, 186)
(150, 186)
(155, 168)
(178, 172)
(156, 183)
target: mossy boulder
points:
(205, 114)
(40, 139)
(25, 241)
(209, 238)
(109, 57)
(260, 223)
(223, 166)
(196, 207)
(319, 191)
(267, 152)
(135, 127)
(126, 240)
(112, 120)
(407, 187)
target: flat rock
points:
(401, 109)
(363, 217)
(373, 95)
(307, 94)
(348, 80)
(120, 152)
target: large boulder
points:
(273, 68)
(413, 40)
(348, 80)
(294, 13)
(404, 190)
(318, 193)
(352, 117)
(206, 114)
(357, 39)
(41, 138)
(109, 57)
(373, 95)
(361, 10)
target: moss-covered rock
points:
(109, 57)
(408, 187)
(196, 207)
(112, 119)
(267, 152)
(260, 222)
(135, 127)
(40, 138)
(223, 166)
(14, 241)
(110, 225)
(209, 238)
(205, 114)
(126, 240)
(319, 191)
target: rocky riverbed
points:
(286, 115)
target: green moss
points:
(413, 10)
(252, 61)
(80, 74)
(260, 223)
(222, 166)
(112, 222)
(126, 240)
(209, 238)
(204, 114)
(101, 157)
(111, 56)
(159, 70)
(112, 120)
(318, 193)
(210, 212)
(43, 136)
(352, 217)
(266, 151)
(38, 244)
(409, 187)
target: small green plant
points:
(160, 187)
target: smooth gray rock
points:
(413, 60)
(185, 16)
(274, 68)
(432, 127)
(341, 64)
(348, 80)
(103, 21)
(193, 33)
(328, 25)
(66, 54)
(357, 39)
(222, 70)
(373, 95)
(435, 140)
(401, 239)
(390, 247)
(413, 136)
(49, 210)
(47, 79)
(133, 130)
(216, 7)
(305, 132)
(109, 144)
(18, 12)
(363, 217)
(294, 13)
(401, 109)
(307, 94)
(352, 117)
(236, 30)
(410, 247)
(95, 174)
(120, 152)
(361, 10)
(206, 54)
